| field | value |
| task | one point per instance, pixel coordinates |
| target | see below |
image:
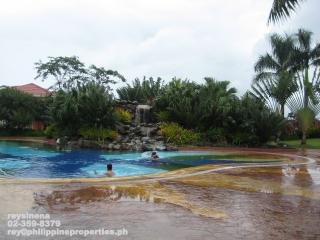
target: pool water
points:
(29, 160)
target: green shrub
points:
(216, 135)
(245, 139)
(123, 115)
(313, 133)
(51, 131)
(100, 134)
(177, 135)
(162, 116)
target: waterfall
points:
(142, 114)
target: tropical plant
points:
(216, 135)
(162, 116)
(306, 58)
(51, 131)
(274, 82)
(123, 115)
(70, 72)
(180, 99)
(99, 134)
(250, 122)
(194, 105)
(19, 109)
(215, 102)
(96, 106)
(89, 106)
(144, 92)
(178, 135)
(282, 9)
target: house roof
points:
(34, 90)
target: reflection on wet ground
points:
(280, 202)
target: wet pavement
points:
(281, 202)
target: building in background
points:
(34, 90)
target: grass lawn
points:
(313, 143)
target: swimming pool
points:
(30, 160)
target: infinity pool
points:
(29, 160)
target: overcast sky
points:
(167, 38)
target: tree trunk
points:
(282, 110)
(305, 104)
(306, 85)
(304, 138)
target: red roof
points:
(33, 89)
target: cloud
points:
(168, 38)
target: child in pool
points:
(154, 156)
(109, 172)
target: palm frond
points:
(266, 62)
(281, 9)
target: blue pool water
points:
(27, 160)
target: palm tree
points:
(275, 94)
(216, 99)
(282, 9)
(143, 91)
(306, 101)
(274, 81)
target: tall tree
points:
(282, 9)
(70, 72)
(306, 101)
(274, 81)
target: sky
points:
(189, 39)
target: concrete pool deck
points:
(247, 201)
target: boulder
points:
(125, 147)
(116, 147)
(145, 139)
(172, 148)
(110, 146)
(148, 131)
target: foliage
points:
(162, 116)
(251, 123)
(70, 72)
(305, 118)
(144, 92)
(177, 135)
(305, 102)
(313, 132)
(196, 105)
(51, 131)
(214, 109)
(181, 100)
(90, 105)
(100, 134)
(123, 115)
(274, 82)
(215, 102)
(284, 76)
(282, 8)
(216, 135)
(19, 109)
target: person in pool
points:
(109, 172)
(154, 156)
